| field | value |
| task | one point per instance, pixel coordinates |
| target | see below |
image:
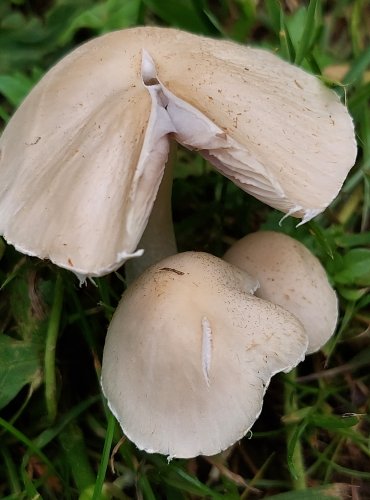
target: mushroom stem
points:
(158, 239)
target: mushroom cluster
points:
(187, 376)
(85, 177)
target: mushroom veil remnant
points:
(83, 157)
(291, 276)
(188, 374)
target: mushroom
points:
(82, 159)
(188, 374)
(292, 277)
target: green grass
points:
(57, 438)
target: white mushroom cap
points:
(189, 355)
(291, 276)
(82, 158)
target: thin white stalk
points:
(158, 239)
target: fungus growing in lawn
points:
(82, 159)
(292, 277)
(188, 374)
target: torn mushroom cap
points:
(186, 376)
(82, 158)
(291, 276)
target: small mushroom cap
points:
(82, 158)
(291, 276)
(189, 355)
